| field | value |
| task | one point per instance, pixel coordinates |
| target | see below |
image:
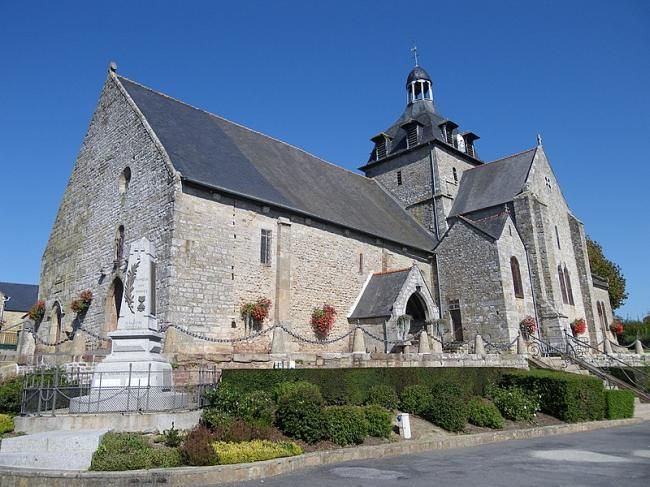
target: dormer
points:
(413, 130)
(447, 128)
(382, 145)
(469, 138)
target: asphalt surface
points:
(609, 457)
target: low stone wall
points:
(350, 360)
(145, 422)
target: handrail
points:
(609, 356)
(572, 357)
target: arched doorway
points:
(417, 310)
(112, 305)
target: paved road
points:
(610, 457)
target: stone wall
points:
(216, 267)
(510, 245)
(80, 252)
(470, 271)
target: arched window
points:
(569, 289)
(516, 277)
(455, 175)
(601, 314)
(562, 284)
(125, 179)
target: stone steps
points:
(60, 450)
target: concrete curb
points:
(182, 476)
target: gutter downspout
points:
(436, 230)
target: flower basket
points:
(255, 313)
(528, 326)
(322, 320)
(578, 327)
(81, 305)
(616, 327)
(37, 311)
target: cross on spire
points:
(414, 50)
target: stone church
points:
(429, 236)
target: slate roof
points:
(380, 294)
(492, 184)
(417, 73)
(211, 151)
(491, 225)
(22, 296)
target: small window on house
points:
(547, 181)
(399, 178)
(265, 247)
(455, 175)
(412, 135)
(360, 263)
(557, 237)
(569, 289)
(125, 180)
(562, 285)
(516, 277)
(381, 149)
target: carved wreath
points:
(128, 286)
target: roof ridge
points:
(391, 271)
(488, 217)
(512, 155)
(245, 128)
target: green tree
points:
(603, 267)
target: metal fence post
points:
(148, 386)
(128, 389)
(55, 389)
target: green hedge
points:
(6, 424)
(569, 397)
(351, 386)
(482, 412)
(380, 421)
(448, 407)
(300, 411)
(620, 404)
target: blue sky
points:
(326, 76)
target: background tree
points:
(603, 267)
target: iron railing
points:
(56, 391)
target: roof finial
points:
(539, 140)
(112, 67)
(414, 50)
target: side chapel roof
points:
(211, 151)
(21, 296)
(379, 294)
(492, 184)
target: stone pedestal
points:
(134, 376)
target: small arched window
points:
(516, 277)
(455, 175)
(125, 180)
(562, 284)
(569, 289)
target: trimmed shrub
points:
(197, 448)
(482, 412)
(448, 408)
(569, 397)
(346, 425)
(351, 386)
(131, 451)
(620, 404)
(514, 403)
(415, 399)
(300, 411)
(224, 398)
(257, 407)
(380, 421)
(6, 424)
(215, 419)
(253, 451)
(10, 391)
(383, 395)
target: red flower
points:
(322, 320)
(579, 326)
(616, 327)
